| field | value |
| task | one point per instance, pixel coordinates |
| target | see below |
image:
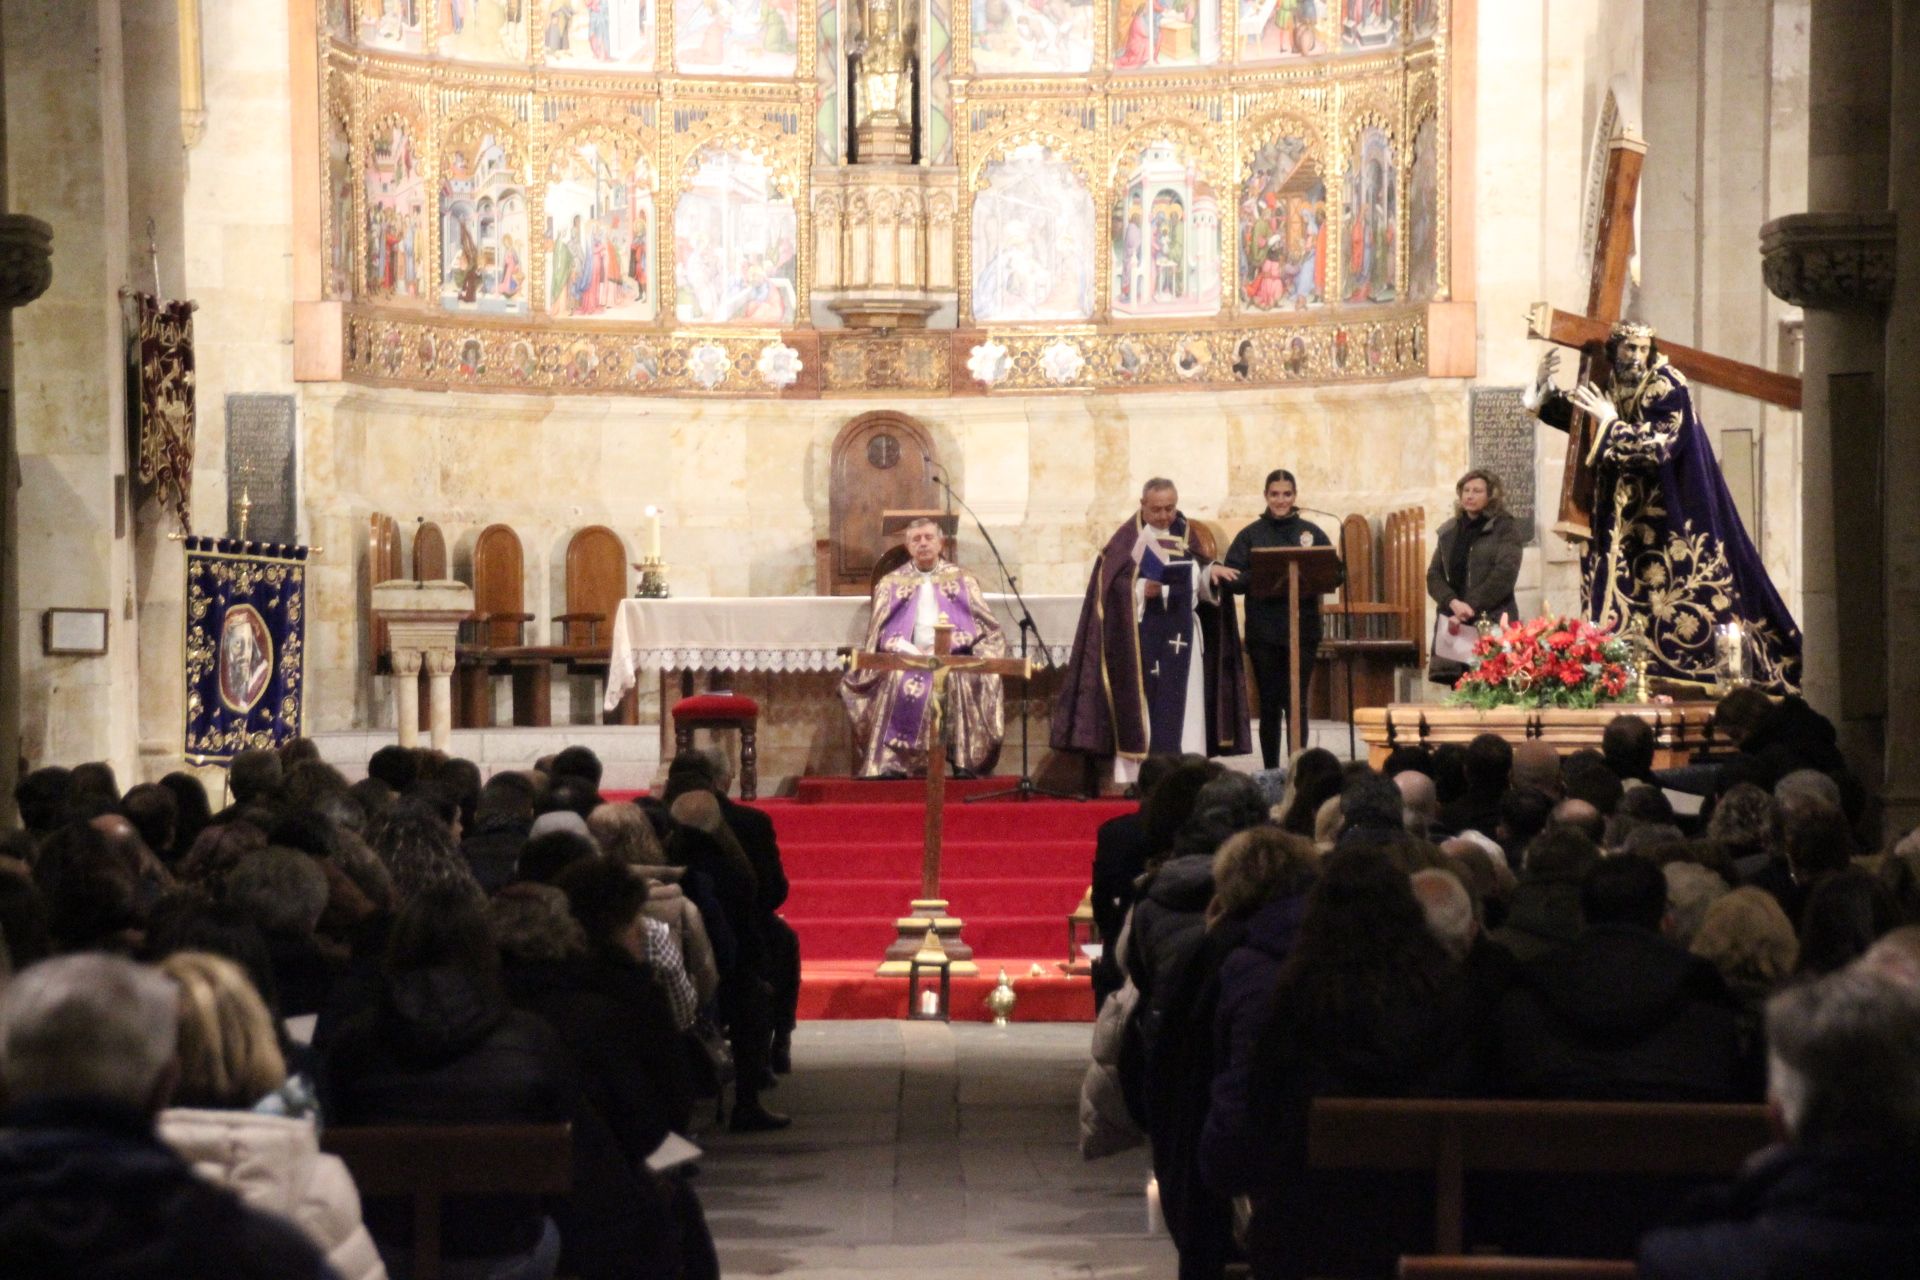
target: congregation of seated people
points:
(1499, 922)
(191, 994)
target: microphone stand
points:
(1024, 789)
(1346, 604)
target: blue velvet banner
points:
(246, 646)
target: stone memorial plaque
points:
(1501, 440)
(260, 465)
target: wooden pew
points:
(427, 1164)
(1451, 1138)
(1494, 1268)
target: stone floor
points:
(930, 1152)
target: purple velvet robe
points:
(1107, 704)
(1668, 543)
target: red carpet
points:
(1011, 870)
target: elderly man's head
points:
(1537, 765)
(1421, 801)
(1844, 1062)
(89, 1026)
(1158, 502)
(923, 543)
(1449, 909)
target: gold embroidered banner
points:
(163, 390)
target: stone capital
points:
(1830, 261)
(26, 259)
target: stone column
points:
(406, 694)
(1862, 316)
(26, 269)
(423, 628)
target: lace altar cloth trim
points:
(778, 633)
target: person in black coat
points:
(86, 1187)
(1120, 851)
(502, 820)
(1476, 562)
(1837, 1197)
(1268, 641)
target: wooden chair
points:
(428, 1164)
(499, 645)
(1451, 1138)
(1366, 629)
(596, 566)
(878, 464)
(718, 713)
(429, 553)
(1497, 1268)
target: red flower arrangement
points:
(1548, 662)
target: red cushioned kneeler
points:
(719, 712)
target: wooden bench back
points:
(383, 565)
(499, 586)
(1357, 533)
(429, 553)
(1404, 574)
(1451, 1138)
(426, 1164)
(596, 583)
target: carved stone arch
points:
(878, 464)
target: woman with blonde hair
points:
(1748, 938)
(232, 1075)
(1476, 562)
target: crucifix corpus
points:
(1588, 333)
(929, 910)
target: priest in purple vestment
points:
(895, 712)
(1668, 544)
(1156, 665)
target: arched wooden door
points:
(879, 463)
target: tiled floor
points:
(930, 1152)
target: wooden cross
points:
(1606, 294)
(930, 909)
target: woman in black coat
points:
(1475, 563)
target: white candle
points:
(930, 1003)
(653, 533)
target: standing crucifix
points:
(929, 910)
(1588, 334)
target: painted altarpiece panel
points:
(599, 230)
(1282, 234)
(1423, 212)
(1165, 33)
(1166, 237)
(1032, 239)
(1424, 18)
(609, 35)
(339, 197)
(1015, 37)
(1271, 30)
(394, 196)
(736, 239)
(484, 245)
(1370, 208)
(736, 37)
(400, 25)
(1369, 25)
(483, 30)
(337, 21)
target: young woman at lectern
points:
(1267, 641)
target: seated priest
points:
(1156, 666)
(893, 711)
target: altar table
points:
(778, 639)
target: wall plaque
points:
(1501, 440)
(260, 465)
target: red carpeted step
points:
(811, 899)
(1055, 820)
(867, 937)
(900, 859)
(850, 989)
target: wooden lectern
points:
(1290, 573)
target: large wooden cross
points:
(929, 910)
(1588, 333)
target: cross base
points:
(928, 913)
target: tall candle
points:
(653, 533)
(929, 1002)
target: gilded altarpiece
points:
(614, 196)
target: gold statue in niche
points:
(883, 84)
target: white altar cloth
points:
(780, 633)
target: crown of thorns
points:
(1632, 329)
